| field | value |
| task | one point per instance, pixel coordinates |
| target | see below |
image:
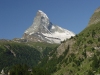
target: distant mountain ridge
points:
(42, 30)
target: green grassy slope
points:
(81, 58)
(85, 58)
(12, 53)
(30, 53)
(41, 46)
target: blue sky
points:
(17, 15)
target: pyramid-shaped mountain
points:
(42, 30)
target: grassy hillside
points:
(30, 53)
(82, 57)
(12, 53)
(41, 46)
(85, 58)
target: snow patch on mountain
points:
(53, 27)
(61, 36)
(31, 33)
(43, 14)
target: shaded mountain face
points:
(95, 17)
(42, 30)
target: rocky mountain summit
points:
(95, 17)
(42, 30)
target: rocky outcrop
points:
(95, 17)
(14, 54)
(2, 72)
(65, 46)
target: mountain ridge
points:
(42, 30)
(95, 18)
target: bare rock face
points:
(95, 17)
(97, 10)
(65, 46)
(42, 30)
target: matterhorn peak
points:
(42, 14)
(41, 11)
(42, 30)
